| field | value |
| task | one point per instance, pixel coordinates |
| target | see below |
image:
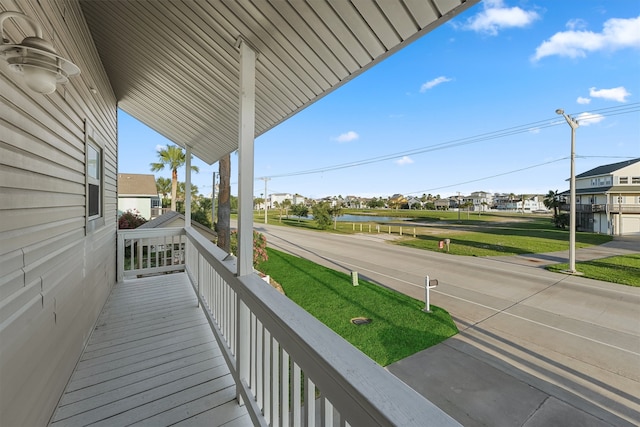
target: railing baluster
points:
(260, 366)
(267, 376)
(296, 395)
(275, 379)
(309, 402)
(285, 378)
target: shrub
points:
(130, 219)
(259, 247)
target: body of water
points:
(366, 218)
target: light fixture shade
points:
(36, 59)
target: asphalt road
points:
(535, 348)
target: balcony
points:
(610, 208)
(183, 339)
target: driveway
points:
(535, 348)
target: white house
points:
(608, 198)
(138, 192)
(481, 200)
(295, 199)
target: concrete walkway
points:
(620, 245)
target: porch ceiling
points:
(174, 65)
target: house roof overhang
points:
(611, 189)
(174, 65)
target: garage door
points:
(630, 224)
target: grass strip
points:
(623, 269)
(399, 327)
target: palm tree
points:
(163, 185)
(223, 226)
(286, 204)
(172, 157)
(551, 202)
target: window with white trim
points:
(94, 181)
(623, 180)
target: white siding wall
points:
(54, 279)
(142, 205)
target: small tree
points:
(286, 204)
(335, 212)
(300, 211)
(322, 215)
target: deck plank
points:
(151, 360)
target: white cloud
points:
(616, 34)
(576, 24)
(160, 147)
(586, 118)
(614, 94)
(534, 130)
(582, 100)
(433, 83)
(405, 160)
(496, 17)
(347, 137)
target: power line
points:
(540, 124)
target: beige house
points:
(138, 192)
(608, 198)
(209, 76)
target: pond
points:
(367, 218)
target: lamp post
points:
(572, 188)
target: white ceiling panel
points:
(173, 64)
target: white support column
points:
(245, 158)
(187, 189)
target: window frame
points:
(94, 143)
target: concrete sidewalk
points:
(620, 245)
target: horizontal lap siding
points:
(54, 279)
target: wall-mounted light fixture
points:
(35, 58)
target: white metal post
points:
(246, 158)
(427, 306)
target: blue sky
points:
(468, 107)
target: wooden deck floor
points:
(151, 360)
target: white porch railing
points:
(290, 369)
(150, 251)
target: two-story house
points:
(608, 198)
(138, 192)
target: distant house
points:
(442, 204)
(608, 198)
(481, 200)
(138, 192)
(397, 201)
(414, 203)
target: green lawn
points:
(399, 328)
(513, 239)
(623, 269)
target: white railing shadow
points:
(289, 368)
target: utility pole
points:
(265, 179)
(573, 123)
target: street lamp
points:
(572, 188)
